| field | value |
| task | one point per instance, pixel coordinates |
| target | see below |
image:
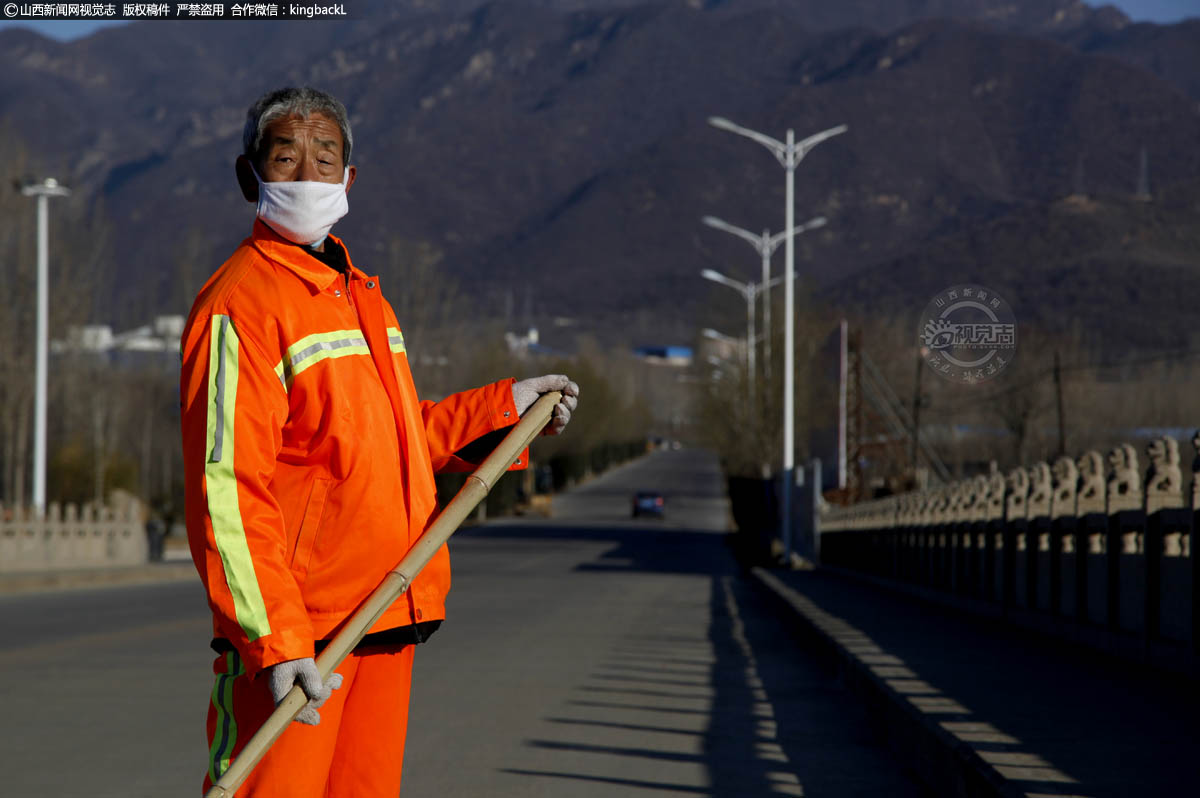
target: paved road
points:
(586, 655)
(104, 691)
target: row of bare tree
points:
(1060, 393)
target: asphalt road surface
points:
(586, 655)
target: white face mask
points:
(302, 211)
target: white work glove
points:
(526, 392)
(282, 676)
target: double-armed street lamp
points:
(43, 191)
(789, 153)
(765, 245)
(749, 292)
(716, 335)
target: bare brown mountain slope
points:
(569, 149)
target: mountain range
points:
(560, 149)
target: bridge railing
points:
(70, 537)
(1084, 542)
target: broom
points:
(391, 588)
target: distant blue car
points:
(648, 502)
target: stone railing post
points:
(1126, 540)
(1037, 538)
(1091, 532)
(1191, 545)
(1016, 521)
(1167, 529)
(1062, 536)
(994, 535)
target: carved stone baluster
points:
(1039, 490)
(1125, 481)
(1016, 506)
(1090, 497)
(995, 497)
(1196, 471)
(1164, 481)
(1066, 483)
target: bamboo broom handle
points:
(391, 588)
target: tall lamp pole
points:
(749, 292)
(43, 191)
(789, 154)
(765, 245)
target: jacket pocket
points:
(310, 524)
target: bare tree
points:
(431, 313)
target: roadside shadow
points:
(733, 709)
(635, 547)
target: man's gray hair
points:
(289, 102)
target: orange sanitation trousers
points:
(356, 751)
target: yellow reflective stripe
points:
(220, 749)
(221, 482)
(317, 347)
(396, 339)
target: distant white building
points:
(157, 342)
(85, 338)
(529, 343)
(520, 343)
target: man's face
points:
(302, 149)
(296, 149)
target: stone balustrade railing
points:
(70, 537)
(1092, 541)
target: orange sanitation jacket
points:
(309, 460)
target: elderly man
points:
(309, 467)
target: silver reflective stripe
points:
(219, 416)
(395, 340)
(312, 349)
(221, 483)
(326, 346)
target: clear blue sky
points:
(1138, 10)
(1159, 10)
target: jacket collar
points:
(295, 259)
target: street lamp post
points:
(720, 337)
(765, 245)
(43, 191)
(750, 292)
(789, 154)
(716, 335)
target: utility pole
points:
(916, 434)
(1062, 430)
(43, 191)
